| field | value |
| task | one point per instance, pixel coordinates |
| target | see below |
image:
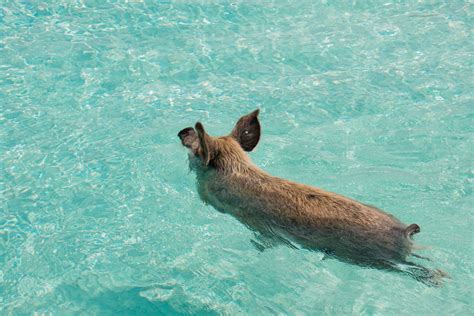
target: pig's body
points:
(311, 217)
(281, 210)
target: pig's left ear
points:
(206, 144)
(247, 131)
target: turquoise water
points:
(100, 214)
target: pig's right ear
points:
(205, 143)
(247, 131)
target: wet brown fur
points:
(296, 213)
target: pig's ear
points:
(247, 131)
(206, 144)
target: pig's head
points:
(224, 152)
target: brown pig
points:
(282, 211)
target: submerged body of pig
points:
(309, 216)
(285, 211)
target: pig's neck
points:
(235, 188)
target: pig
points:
(284, 212)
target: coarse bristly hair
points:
(285, 212)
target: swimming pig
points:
(282, 211)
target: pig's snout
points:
(189, 138)
(185, 132)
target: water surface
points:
(100, 215)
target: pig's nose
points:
(185, 132)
